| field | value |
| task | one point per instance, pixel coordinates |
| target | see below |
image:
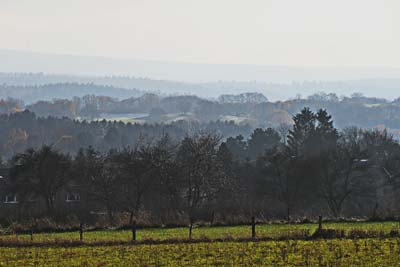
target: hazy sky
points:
(265, 32)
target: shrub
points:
(328, 233)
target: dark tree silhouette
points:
(262, 140)
(201, 176)
(40, 173)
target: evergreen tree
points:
(237, 146)
(262, 140)
(303, 128)
(325, 136)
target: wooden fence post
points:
(81, 231)
(253, 227)
(319, 223)
(32, 226)
(134, 231)
(190, 231)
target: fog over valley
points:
(205, 80)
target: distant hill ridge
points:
(204, 80)
(386, 88)
(33, 93)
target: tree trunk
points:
(110, 215)
(212, 218)
(49, 205)
(374, 212)
(131, 218)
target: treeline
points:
(155, 106)
(245, 109)
(22, 130)
(311, 169)
(34, 92)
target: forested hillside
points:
(173, 175)
(249, 109)
(274, 90)
(33, 93)
(22, 130)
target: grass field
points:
(339, 252)
(332, 252)
(264, 230)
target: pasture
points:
(336, 252)
(222, 246)
(273, 231)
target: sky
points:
(345, 33)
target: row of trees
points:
(247, 108)
(159, 176)
(315, 170)
(22, 130)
